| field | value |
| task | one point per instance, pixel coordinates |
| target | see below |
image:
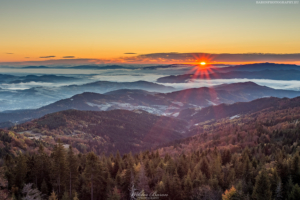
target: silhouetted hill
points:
(261, 67)
(291, 74)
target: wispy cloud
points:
(9, 53)
(47, 56)
(168, 58)
(223, 57)
(129, 53)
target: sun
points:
(203, 63)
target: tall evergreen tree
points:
(53, 196)
(205, 168)
(295, 193)
(44, 187)
(72, 171)
(262, 188)
(20, 171)
(91, 171)
(59, 167)
(278, 191)
(143, 180)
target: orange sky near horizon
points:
(105, 30)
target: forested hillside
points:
(249, 156)
(105, 132)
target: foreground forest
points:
(252, 156)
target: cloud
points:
(47, 56)
(169, 58)
(129, 53)
(276, 84)
(223, 57)
(9, 53)
(68, 56)
(57, 62)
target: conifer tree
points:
(230, 194)
(262, 188)
(75, 196)
(295, 168)
(65, 196)
(20, 171)
(289, 186)
(188, 185)
(72, 172)
(40, 166)
(59, 167)
(114, 195)
(143, 180)
(278, 192)
(31, 194)
(53, 196)
(295, 193)
(91, 171)
(44, 187)
(205, 168)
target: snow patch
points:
(235, 116)
(175, 114)
(210, 102)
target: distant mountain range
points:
(250, 71)
(41, 96)
(291, 74)
(170, 104)
(261, 67)
(4, 78)
(44, 78)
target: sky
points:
(145, 31)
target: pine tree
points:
(143, 180)
(205, 168)
(20, 171)
(114, 195)
(278, 192)
(188, 185)
(295, 168)
(44, 187)
(91, 171)
(295, 193)
(72, 172)
(230, 194)
(53, 196)
(31, 194)
(262, 188)
(75, 196)
(59, 167)
(289, 186)
(40, 168)
(65, 196)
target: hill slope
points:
(107, 131)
